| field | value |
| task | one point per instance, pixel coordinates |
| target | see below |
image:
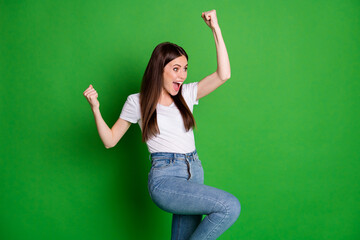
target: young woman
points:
(163, 109)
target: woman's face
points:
(175, 73)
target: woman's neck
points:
(165, 98)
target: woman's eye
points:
(175, 69)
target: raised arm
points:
(110, 137)
(216, 79)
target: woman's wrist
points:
(95, 109)
(216, 28)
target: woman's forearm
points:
(104, 131)
(223, 63)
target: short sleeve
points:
(189, 92)
(131, 109)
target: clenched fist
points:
(91, 96)
(210, 19)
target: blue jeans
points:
(176, 185)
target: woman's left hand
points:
(210, 19)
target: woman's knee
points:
(233, 207)
(236, 207)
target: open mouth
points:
(177, 85)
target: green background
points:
(282, 134)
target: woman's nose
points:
(183, 74)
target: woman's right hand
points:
(91, 96)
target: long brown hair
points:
(152, 85)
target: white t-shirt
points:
(173, 136)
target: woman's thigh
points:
(180, 196)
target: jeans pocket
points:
(161, 163)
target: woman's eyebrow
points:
(178, 65)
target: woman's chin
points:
(174, 93)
